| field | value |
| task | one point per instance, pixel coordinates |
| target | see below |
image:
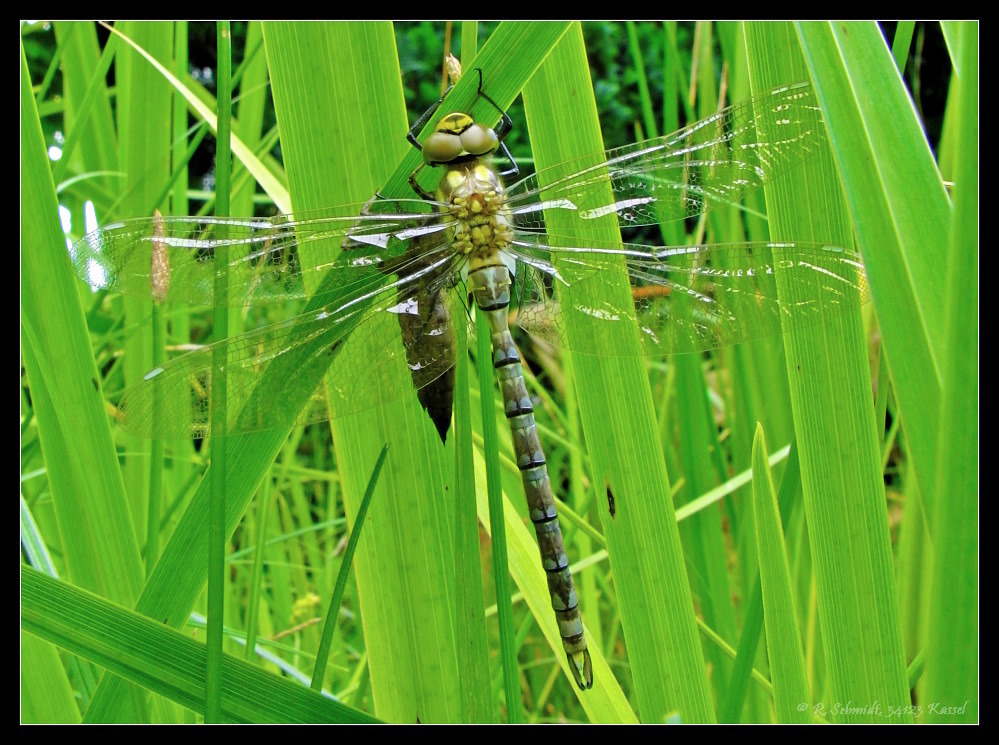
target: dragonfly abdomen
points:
(490, 285)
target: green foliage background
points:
(850, 574)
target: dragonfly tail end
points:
(582, 668)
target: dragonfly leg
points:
(512, 170)
(424, 194)
(421, 122)
(348, 241)
(502, 129)
(505, 123)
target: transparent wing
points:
(681, 299)
(274, 375)
(712, 162)
(172, 258)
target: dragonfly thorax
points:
(478, 204)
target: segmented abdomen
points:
(490, 285)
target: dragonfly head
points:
(458, 136)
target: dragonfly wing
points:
(686, 298)
(713, 162)
(274, 375)
(429, 340)
(173, 258)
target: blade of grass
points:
(473, 662)
(164, 660)
(787, 666)
(882, 153)
(404, 568)
(84, 477)
(252, 101)
(900, 44)
(322, 656)
(648, 118)
(46, 694)
(256, 581)
(833, 411)
(952, 642)
(621, 432)
(749, 641)
(494, 491)
(220, 322)
(702, 535)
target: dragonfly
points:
(384, 293)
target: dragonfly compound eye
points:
(479, 140)
(441, 147)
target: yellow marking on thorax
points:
(479, 207)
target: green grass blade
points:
(952, 35)
(265, 177)
(882, 153)
(256, 582)
(322, 656)
(164, 660)
(952, 668)
(622, 435)
(834, 422)
(702, 535)
(46, 695)
(404, 567)
(752, 623)
(473, 657)
(648, 118)
(253, 96)
(83, 472)
(220, 322)
(84, 477)
(494, 491)
(900, 44)
(787, 666)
